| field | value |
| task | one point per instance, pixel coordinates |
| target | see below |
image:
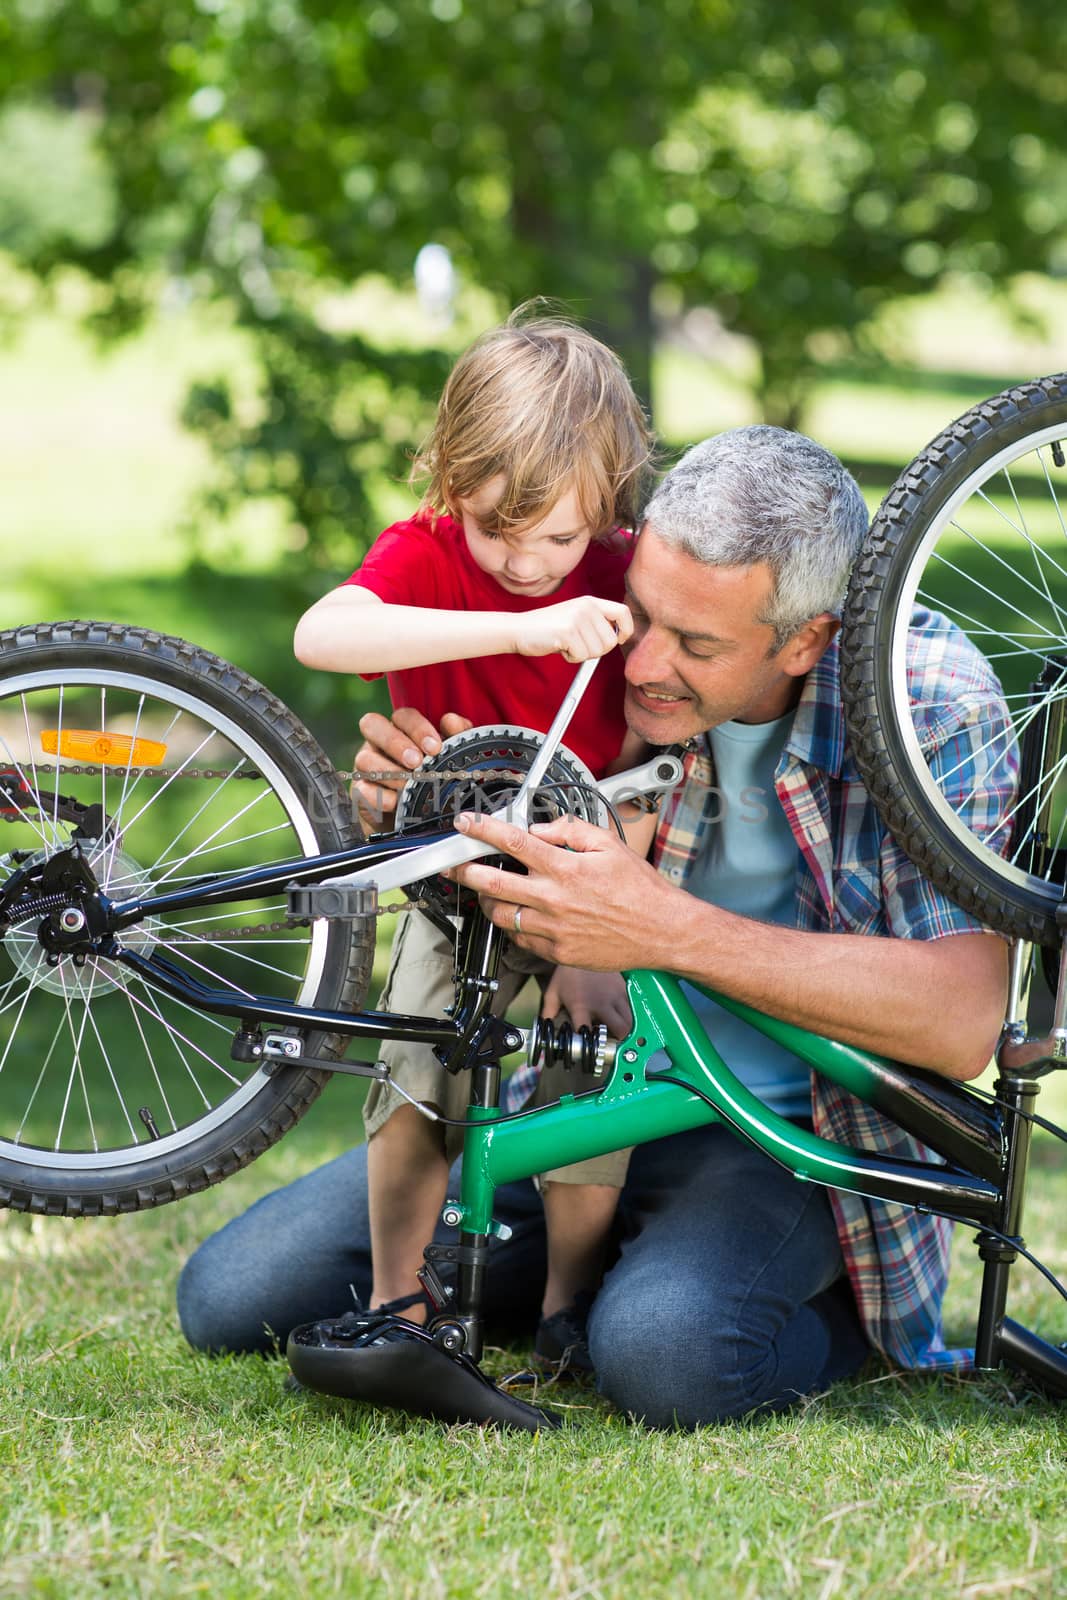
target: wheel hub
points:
(33, 947)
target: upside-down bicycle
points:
(155, 1037)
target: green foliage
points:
(791, 168)
(866, 156)
(332, 416)
(56, 193)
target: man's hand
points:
(587, 998)
(578, 629)
(395, 745)
(588, 901)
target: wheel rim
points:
(87, 1058)
(994, 561)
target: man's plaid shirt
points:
(852, 878)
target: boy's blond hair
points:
(544, 405)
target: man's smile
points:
(657, 696)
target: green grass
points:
(133, 1467)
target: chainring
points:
(478, 771)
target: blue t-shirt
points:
(749, 866)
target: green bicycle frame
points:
(636, 1105)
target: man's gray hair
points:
(765, 494)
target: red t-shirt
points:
(424, 563)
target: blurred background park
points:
(241, 241)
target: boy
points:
(534, 470)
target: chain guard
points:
(478, 771)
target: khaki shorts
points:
(419, 984)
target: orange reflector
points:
(104, 749)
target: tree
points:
(273, 154)
(859, 158)
(793, 169)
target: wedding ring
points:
(516, 926)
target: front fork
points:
(1021, 1059)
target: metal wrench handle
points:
(654, 776)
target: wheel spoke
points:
(155, 798)
(150, 1056)
(40, 1079)
(113, 849)
(236, 949)
(4, 987)
(1037, 553)
(33, 767)
(173, 877)
(76, 1035)
(153, 1010)
(183, 879)
(991, 551)
(161, 859)
(59, 748)
(206, 848)
(975, 629)
(1048, 633)
(24, 998)
(150, 1004)
(1011, 732)
(216, 977)
(1020, 527)
(1045, 784)
(45, 840)
(1058, 842)
(134, 1136)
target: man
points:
(735, 1287)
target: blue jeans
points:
(726, 1296)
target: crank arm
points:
(658, 776)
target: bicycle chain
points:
(236, 772)
(224, 935)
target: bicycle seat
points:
(386, 1360)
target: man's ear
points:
(804, 649)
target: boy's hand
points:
(576, 629)
(589, 997)
(395, 746)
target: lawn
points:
(132, 1467)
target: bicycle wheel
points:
(972, 536)
(165, 764)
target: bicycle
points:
(107, 735)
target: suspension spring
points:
(26, 911)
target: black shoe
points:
(560, 1344)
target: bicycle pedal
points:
(343, 902)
